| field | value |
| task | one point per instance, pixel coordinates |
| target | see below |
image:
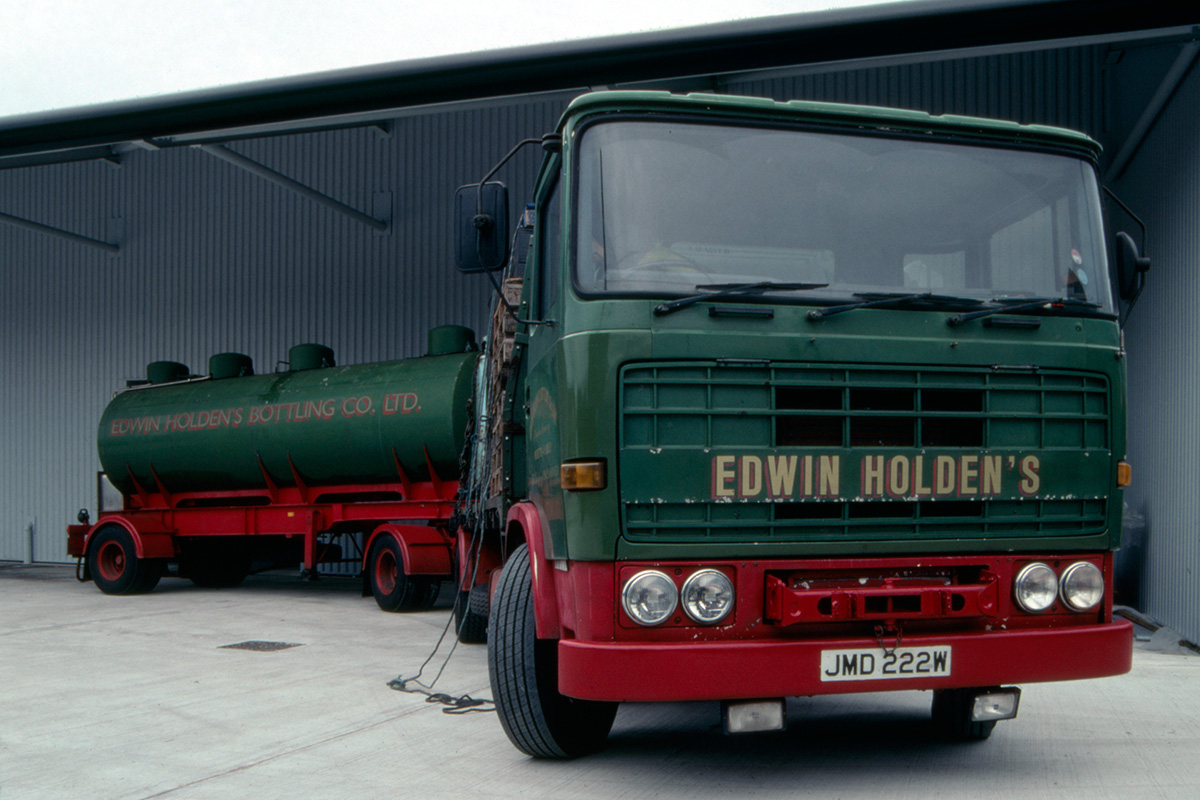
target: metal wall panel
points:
(1051, 87)
(214, 259)
(1163, 339)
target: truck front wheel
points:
(524, 676)
(115, 566)
(392, 588)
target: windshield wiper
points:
(721, 291)
(1006, 304)
(893, 299)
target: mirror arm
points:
(483, 222)
(479, 191)
(1131, 302)
(1132, 216)
(510, 308)
(1141, 262)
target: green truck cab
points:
(804, 399)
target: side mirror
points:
(1131, 267)
(481, 227)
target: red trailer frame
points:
(405, 527)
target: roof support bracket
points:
(279, 179)
(30, 225)
(1154, 109)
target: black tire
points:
(470, 624)
(952, 716)
(115, 566)
(524, 675)
(152, 572)
(391, 587)
(432, 587)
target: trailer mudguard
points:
(425, 550)
(149, 541)
(76, 536)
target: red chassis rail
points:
(158, 519)
(787, 613)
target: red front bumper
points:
(726, 670)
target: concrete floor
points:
(136, 697)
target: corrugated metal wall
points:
(1163, 339)
(214, 259)
(1053, 87)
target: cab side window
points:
(551, 259)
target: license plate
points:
(874, 664)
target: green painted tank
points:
(336, 425)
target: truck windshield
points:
(666, 207)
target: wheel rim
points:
(385, 571)
(110, 561)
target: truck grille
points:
(676, 416)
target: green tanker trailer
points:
(221, 471)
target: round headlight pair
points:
(1037, 586)
(650, 597)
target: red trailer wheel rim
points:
(385, 571)
(110, 560)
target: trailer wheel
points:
(524, 676)
(392, 588)
(952, 716)
(115, 566)
(470, 624)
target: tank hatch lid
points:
(230, 365)
(310, 356)
(166, 372)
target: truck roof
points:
(841, 115)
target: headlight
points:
(649, 597)
(995, 704)
(707, 596)
(1036, 587)
(1082, 586)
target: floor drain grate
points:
(261, 647)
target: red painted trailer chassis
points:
(407, 548)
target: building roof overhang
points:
(292, 104)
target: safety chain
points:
(880, 631)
